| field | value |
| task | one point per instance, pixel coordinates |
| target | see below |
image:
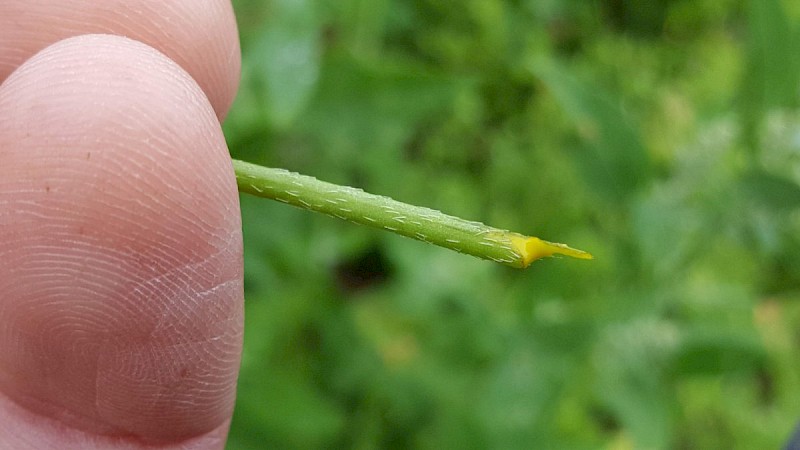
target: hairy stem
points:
(416, 222)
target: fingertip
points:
(200, 35)
(121, 257)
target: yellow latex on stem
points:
(533, 248)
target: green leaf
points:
(367, 103)
(279, 408)
(521, 399)
(770, 191)
(286, 57)
(713, 353)
(773, 66)
(615, 161)
(772, 75)
(630, 363)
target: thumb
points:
(120, 247)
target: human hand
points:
(120, 237)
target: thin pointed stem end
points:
(533, 248)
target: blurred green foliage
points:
(662, 136)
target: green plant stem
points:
(416, 222)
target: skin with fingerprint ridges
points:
(120, 275)
(200, 35)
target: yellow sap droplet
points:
(533, 248)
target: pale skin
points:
(120, 237)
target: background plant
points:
(664, 139)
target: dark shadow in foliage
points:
(367, 269)
(642, 19)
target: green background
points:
(662, 136)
